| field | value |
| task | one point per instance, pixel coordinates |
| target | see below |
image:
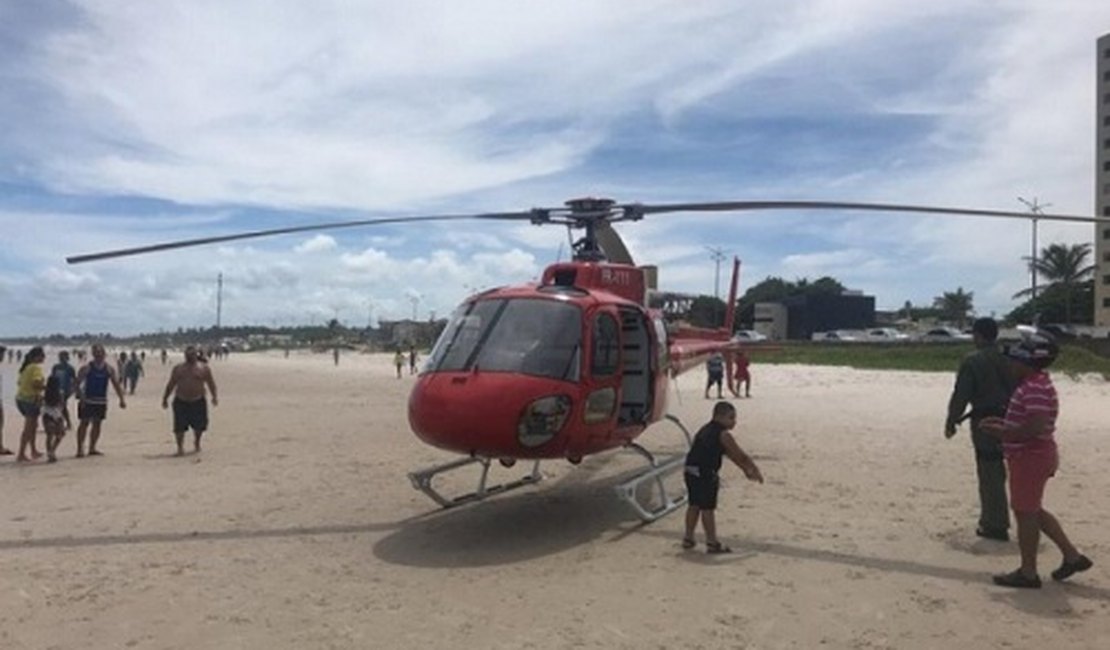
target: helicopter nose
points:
(501, 415)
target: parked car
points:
(750, 336)
(835, 335)
(1061, 332)
(945, 335)
(886, 334)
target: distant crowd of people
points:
(45, 398)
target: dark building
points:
(821, 313)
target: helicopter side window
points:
(607, 346)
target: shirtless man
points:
(190, 409)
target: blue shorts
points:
(27, 409)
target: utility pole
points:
(1037, 209)
(415, 301)
(717, 254)
(219, 298)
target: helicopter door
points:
(636, 385)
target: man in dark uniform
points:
(984, 380)
(703, 464)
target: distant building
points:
(806, 315)
(1102, 185)
(404, 333)
(770, 320)
(671, 303)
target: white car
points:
(886, 334)
(835, 335)
(750, 336)
(944, 335)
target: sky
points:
(132, 123)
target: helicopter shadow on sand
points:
(572, 510)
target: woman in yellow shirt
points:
(28, 399)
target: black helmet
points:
(1037, 349)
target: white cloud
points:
(316, 244)
(430, 107)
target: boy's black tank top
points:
(707, 451)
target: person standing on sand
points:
(4, 451)
(985, 381)
(28, 399)
(703, 465)
(399, 361)
(1027, 433)
(67, 381)
(190, 408)
(742, 375)
(412, 359)
(92, 398)
(132, 370)
(715, 371)
(53, 419)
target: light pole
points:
(717, 254)
(219, 299)
(1035, 208)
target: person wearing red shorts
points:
(742, 375)
(1028, 443)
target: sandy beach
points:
(298, 528)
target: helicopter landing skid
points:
(658, 470)
(422, 480)
(628, 491)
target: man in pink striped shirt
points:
(1030, 449)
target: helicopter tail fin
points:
(730, 306)
(730, 319)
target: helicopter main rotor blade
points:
(201, 241)
(738, 206)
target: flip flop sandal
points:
(1068, 569)
(688, 543)
(717, 547)
(1017, 580)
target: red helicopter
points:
(571, 366)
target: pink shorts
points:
(1029, 473)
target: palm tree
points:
(955, 305)
(1063, 266)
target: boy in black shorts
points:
(703, 463)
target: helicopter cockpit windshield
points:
(522, 335)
